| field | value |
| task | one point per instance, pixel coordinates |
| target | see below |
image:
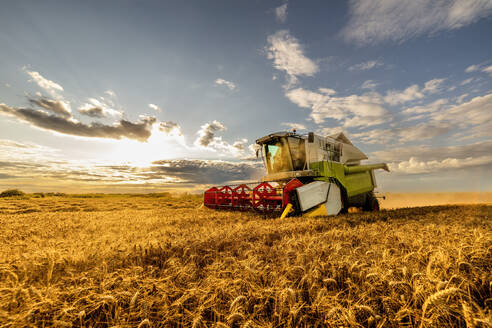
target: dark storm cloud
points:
(206, 172)
(56, 106)
(139, 131)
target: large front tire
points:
(372, 204)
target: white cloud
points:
(110, 93)
(423, 131)
(376, 136)
(428, 159)
(465, 82)
(155, 107)
(471, 68)
(288, 55)
(240, 144)
(432, 86)
(353, 110)
(432, 107)
(428, 153)
(395, 97)
(413, 92)
(281, 13)
(472, 119)
(49, 86)
(327, 91)
(98, 110)
(477, 111)
(226, 83)
(207, 140)
(366, 65)
(369, 84)
(170, 128)
(296, 126)
(460, 99)
(374, 21)
(488, 70)
(414, 166)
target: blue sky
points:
(158, 95)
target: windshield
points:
(277, 156)
(285, 154)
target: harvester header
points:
(306, 174)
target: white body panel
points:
(312, 194)
(320, 192)
(334, 202)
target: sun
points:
(159, 146)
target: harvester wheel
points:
(372, 204)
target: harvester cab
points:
(306, 174)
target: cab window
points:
(277, 156)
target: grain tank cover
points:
(351, 155)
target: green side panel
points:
(354, 183)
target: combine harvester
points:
(306, 175)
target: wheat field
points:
(158, 261)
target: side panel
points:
(354, 184)
(358, 183)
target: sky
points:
(146, 96)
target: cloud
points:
(374, 21)
(427, 159)
(413, 92)
(296, 126)
(429, 153)
(474, 115)
(369, 84)
(155, 107)
(207, 172)
(170, 128)
(423, 131)
(432, 86)
(240, 144)
(417, 132)
(288, 56)
(488, 70)
(110, 93)
(366, 65)
(206, 134)
(99, 109)
(467, 81)
(59, 107)
(480, 67)
(429, 108)
(123, 129)
(281, 13)
(472, 119)
(49, 86)
(226, 83)
(395, 97)
(353, 110)
(208, 140)
(414, 166)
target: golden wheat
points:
(156, 261)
